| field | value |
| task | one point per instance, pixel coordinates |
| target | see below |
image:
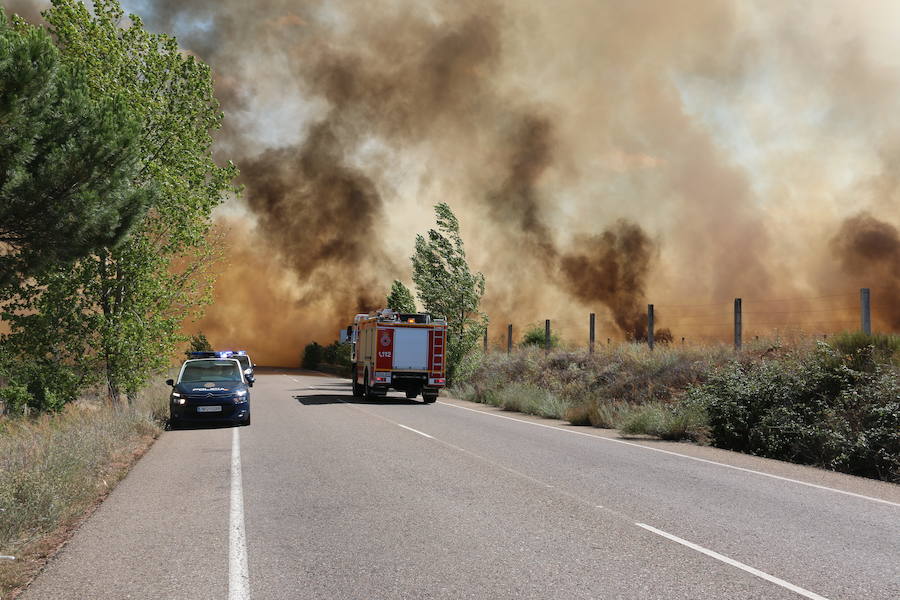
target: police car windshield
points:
(244, 360)
(210, 370)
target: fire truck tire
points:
(429, 398)
(359, 390)
(369, 393)
(411, 393)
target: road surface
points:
(326, 496)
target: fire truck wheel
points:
(411, 393)
(369, 393)
(429, 398)
(359, 390)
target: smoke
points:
(27, 9)
(600, 155)
(612, 268)
(869, 253)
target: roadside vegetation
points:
(107, 184)
(333, 358)
(834, 405)
(54, 468)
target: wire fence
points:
(734, 322)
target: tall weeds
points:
(56, 466)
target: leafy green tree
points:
(67, 159)
(117, 313)
(199, 343)
(446, 287)
(401, 299)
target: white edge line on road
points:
(238, 576)
(734, 563)
(703, 460)
(416, 431)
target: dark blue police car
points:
(209, 390)
(239, 355)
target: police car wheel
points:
(246, 421)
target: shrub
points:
(811, 408)
(535, 335)
(864, 351)
(666, 421)
(312, 356)
(530, 399)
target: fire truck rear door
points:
(411, 348)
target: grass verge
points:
(54, 469)
(834, 405)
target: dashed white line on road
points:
(669, 452)
(238, 576)
(730, 561)
(416, 431)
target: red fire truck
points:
(404, 351)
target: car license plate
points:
(209, 409)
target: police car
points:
(239, 355)
(209, 390)
(246, 364)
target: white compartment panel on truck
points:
(411, 349)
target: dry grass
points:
(833, 403)
(55, 468)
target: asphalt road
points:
(326, 496)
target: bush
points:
(334, 358)
(668, 422)
(535, 335)
(835, 405)
(312, 356)
(863, 351)
(811, 408)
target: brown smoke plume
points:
(599, 155)
(612, 268)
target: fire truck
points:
(403, 351)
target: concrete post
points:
(593, 321)
(547, 335)
(865, 309)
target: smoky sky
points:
(600, 155)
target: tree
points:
(117, 313)
(446, 287)
(67, 159)
(199, 343)
(401, 299)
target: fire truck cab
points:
(403, 351)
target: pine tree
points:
(67, 159)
